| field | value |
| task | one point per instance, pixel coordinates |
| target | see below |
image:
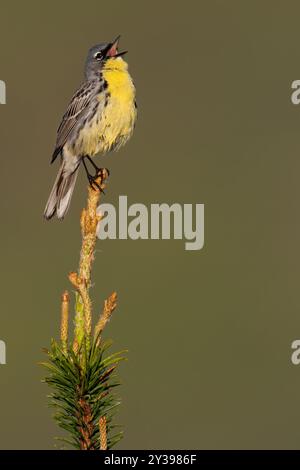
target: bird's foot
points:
(94, 184)
(101, 173)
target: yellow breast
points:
(120, 112)
(113, 123)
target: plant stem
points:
(64, 325)
(82, 280)
(103, 433)
(109, 306)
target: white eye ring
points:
(98, 56)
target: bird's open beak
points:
(112, 49)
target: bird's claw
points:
(93, 183)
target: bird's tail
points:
(61, 193)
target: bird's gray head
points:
(98, 56)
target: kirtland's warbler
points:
(100, 117)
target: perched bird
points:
(100, 117)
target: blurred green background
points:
(208, 332)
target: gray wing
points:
(78, 107)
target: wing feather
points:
(77, 109)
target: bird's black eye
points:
(98, 56)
